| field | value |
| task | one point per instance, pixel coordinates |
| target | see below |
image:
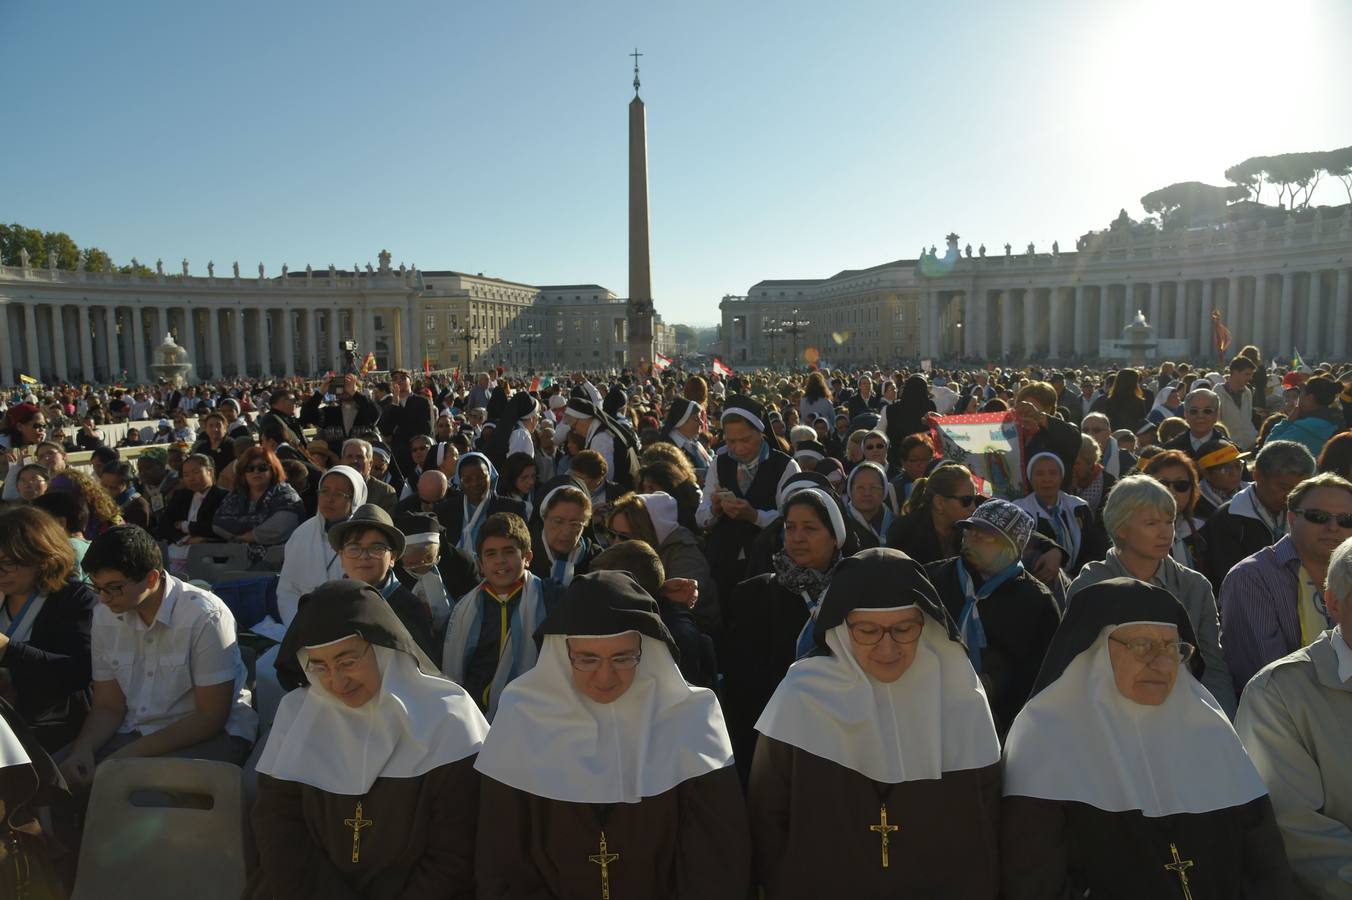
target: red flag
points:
(661, 362)
(535, 384)
(368, 364)
(721, 369)
(427, 367)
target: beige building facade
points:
(1284, 288)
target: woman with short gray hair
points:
(1139, 519)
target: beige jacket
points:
(1295, 719)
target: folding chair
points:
(164, 851)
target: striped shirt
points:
(1259, 618)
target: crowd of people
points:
(689, 634)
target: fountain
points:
(173, 366)
(1138, 339)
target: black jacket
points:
(328, 419)
(1228, 538)
(51, 670)
(295, 434)
(399, 425)
(176, 510)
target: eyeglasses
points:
(261, 467)
(356, 551)
(8, 565)
(37, 426)
(1099, 430)
(560, 522)
(590, 662)
(966, 501)
(868, 634)
(1145, 650)
(346, 665)
(113, 590)
(330, 492)
(1202, 411)
(1322, 517)
(1181, 486)
(875, 446)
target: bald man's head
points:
(432, 486)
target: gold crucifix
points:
(357, 823)
(884, 830)
(604, 859)
(1180, 868)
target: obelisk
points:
(639, 309)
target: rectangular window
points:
(431, 324)
(378, 322)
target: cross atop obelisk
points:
(639, 310)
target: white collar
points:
(418, 722)
(1079, 740)
(1344, 654)
(660, 733)
(12, 752)
(933, 719)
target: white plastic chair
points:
(164, 852)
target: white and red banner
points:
(986, 443)
(660, 362)
(721, 369)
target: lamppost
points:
(771, 331)
(529, 338)
(795, 326)
(469, 336)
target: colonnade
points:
(93, 342)
(1279, 312)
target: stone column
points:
(1260, 314)
(1106, 321)
(1030, 321)
(333, 319)
(1180, 309)
(1340, 303)
(1006, 318)
(1054, 323)
(265, 358)
(1205, 329)
(86, 346)
(241, 360)
(311, 343)
(1155, 303)
(288, 341)
(110, 338)
(212, 335)
(161, 325)
(138, 347)
(1288, 314)
(931, 343)
(189, 341)
(414, 350)
(1079, 337)
(369, 327)
(1313, 338)
(7, 375)
(968, 323)
(30, 335)
(59, 343)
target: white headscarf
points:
(414, 724)
(933, 719)
(308, 560)
(1079, 740)
(661, 508)
(550, 740)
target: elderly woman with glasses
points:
(367, 785)
(263, 510)
(1122, 775)
(1140, 518)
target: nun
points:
(605, 774)
(472, 500)
(878, 754)
(1061, 517)
(769, 619)
(437, 574)
(1123, 777)
(682, 426)
(871, 501)
(367, 785)
(308, 560)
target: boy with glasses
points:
(167, 675)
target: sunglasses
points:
(1181, 486)
(966, 501)
(258, 468)
(1322, 517)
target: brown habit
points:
(810, 825)
(690, 841)
(418, 843)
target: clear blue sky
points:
(787, 139)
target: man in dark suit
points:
(407, 415)
(353, 414)
(190, 509)
(282, 411)
(358, 454)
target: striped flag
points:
(721, 369)
(661, 362)
(369, 363)
(1296, 361)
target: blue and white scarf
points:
(462, 637)
(472, 517)
(969, 623)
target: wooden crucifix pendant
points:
(884, 831)
(604, 859)
(1180, 868)
(357, 823)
